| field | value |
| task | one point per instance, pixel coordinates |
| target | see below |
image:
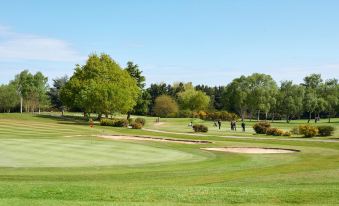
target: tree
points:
(262, 93)
(156, 90)
(193, 100)
(165, 106)
(143, 100)
(31, 89)
(54, 93)
(9, 97)
(100, 86)
(312, 100)
(290, 99)
(330, 94)
(236, 97)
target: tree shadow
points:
(67, 119)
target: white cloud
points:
(20, 46)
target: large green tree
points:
(262, 93)
(290, 99)
(330, 94)
(100, 86)
(9, 97)
(193, 100)
(143, 101)
(165, 106)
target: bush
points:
(261, 127)
(136, 125)
(106, 122)
(200, 128)
(325, 130)
(308, 131)
(130, 121)
(287, 134)
(295, 130)
(114, 122)
(141, 121)
(222, 115)
(184, 114)
(275, 132)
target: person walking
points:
(235, 125)
(243, 126)
(219, 124)
(232, 125)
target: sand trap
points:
(142, 138)
(159, 123)
(251, 150)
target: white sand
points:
(250, 150)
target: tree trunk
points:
(128, 115)
(266, 114)
(39, 110)
(242, 116)
(258, 116)
(99, 116)
(21, 100)
(287, 118)
(309, 117)
(273, 116)
(62, 111)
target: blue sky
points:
(205, 42)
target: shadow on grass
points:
(67, 119)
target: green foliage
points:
(222, 115)
(200, 128)
(54, 92)
(261, 127)
(185, 113)
(136, 125)
(116, 122)
(325, 130)
(100, 86)
(295, 130)
(193, 100)
(308, 131)
(165, 106)
(9, 97)
(140, 120)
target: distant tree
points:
(330, 94)
(290, 99)
(156, 90)
(32, 90)
(9, 97)
(100, 86)
(165, 106)
(237, 96)
(313, 103)
(193, 100)
(262, 93)
(54, 93)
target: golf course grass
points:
(49, 160)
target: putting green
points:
(84, 153)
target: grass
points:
(46, 160)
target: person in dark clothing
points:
(232, 125)
(235, 125)
(243, 126)
(219, 124)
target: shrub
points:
(325, 130)
(120, 122)
(136, 125)
(130, 121)
(275, 132)
(141, 121)
(261, 127)
(308, 131)
(165, 106)
(222, 115)
(106, 122)
(200, 128)
(114, 122)
(295, 130)
(287, 134)
(184, 114)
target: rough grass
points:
(204, 178)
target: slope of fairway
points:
(83, 153)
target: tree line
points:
(103, 87)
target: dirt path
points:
(243, 137)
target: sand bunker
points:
(251, 150)
(142, 138)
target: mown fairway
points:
(46, 160)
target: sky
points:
(199, 41)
